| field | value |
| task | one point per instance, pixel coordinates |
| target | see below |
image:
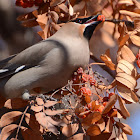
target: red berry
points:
(110, 94)
(85, 77)
(80, 70)
(138, 63)
(138, 55)
(86, 90)
(104, 103)
(101, 108)
(92, 80)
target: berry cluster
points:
(83, 84)
(138, 59)
(28, 3)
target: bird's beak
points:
(95, 20)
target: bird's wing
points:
(30, 57)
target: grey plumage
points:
(48, 64)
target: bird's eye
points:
(79, 21)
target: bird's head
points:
(80, 27)
(87, 25)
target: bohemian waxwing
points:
(50, 63)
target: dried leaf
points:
(54, 16)
(30, 23)
(106, 58)
(78, 7)
(109, 126)
(127, 54)
(101, 124)
(47, 122)
(29, 134)
(42, 19)
(56, 2)
(137, 3)
(126, 93)
(93, 130)
(50, 103)
(92, 118)
(55, 26)
(102, 136)
(128, 2)
(78, 136)
(9, 118)
(123, 108)
(55, 112)
(39, 101)
(128, 13)
(7, 131)
(64, 8)
(125, 128)
(70, 129)
(37, 108)
(71, 11)
(123, 40)
(110, 103)
(135, 40)
(126, 80)
(25, 17)
(127, 67)
(15, 103)
(33, 124)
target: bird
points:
(50, 63)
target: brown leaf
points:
(39, 101)
(42, 19)
(92, 118)
(125, 128)
(55, 112)
(123, 108)
(127, 54)
(101, 124)
(128, 2)
(126, 93)
(55, 26)
(7, 131)
(102, 136)
(64, 8)
(15, 103)
(109, 126)
(50, 103)
(123, 40)
(37, 108)
(56, 2)
(71, 10)
(30, 23)
(106, 58)
(28, 134)
(126, 67)
(54, 16)
(126, 80)
(128, 13)
(9, 118)
(70, 129)
(93, 130)
(137, 3)
(78, 136)
(78, 7)
(25, 17)
(110, 103)
(135, 40)
(48, 122)
(33, 124)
